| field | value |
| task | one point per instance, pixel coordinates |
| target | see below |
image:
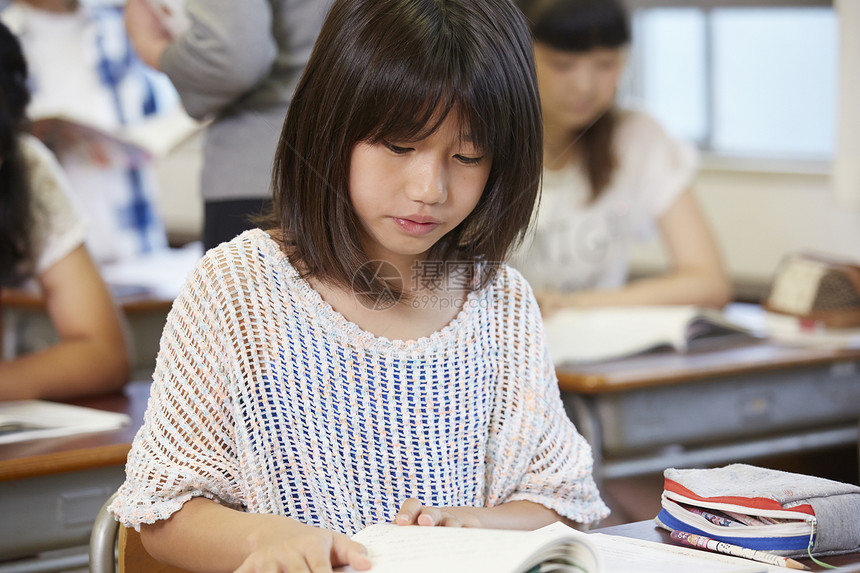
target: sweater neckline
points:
(350, 333)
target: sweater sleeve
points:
(535, 453)
(185, 447)
(227, 50)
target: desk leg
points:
(581, 410)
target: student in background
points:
(610, 176)
(82, 67)
(368, 359)
(42, 237)
(237, 64)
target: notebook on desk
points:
(583, 335)
(22, 420)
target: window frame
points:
(711, 159)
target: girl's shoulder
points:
(508, 287)
(639, 135)
(58, 226)
(637, 125)
(35, 153)
(51, 192)
(251, 252)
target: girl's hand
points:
(413, 513)
(286, 545)
(146, 32)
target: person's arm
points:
(696, 277)
(91, 355)
(146, 32)
(511, 515)
(208, 537)
(227, 50)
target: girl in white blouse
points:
(369, 358)
(610, 175)
(42, 238)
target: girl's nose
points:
(581, 81)
(427, 183)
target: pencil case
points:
(770, 510)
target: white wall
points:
(760, 217)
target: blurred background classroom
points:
(768, 90)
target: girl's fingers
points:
(429, 516)
(449, 520)
(345, 551)
(317, 564)
(408, 512)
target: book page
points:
(595, 334)
(580, 335)
(31, 419)
(154, 137)
(394, 549)
(628, 555)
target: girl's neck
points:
(560, 147)
(419, 313)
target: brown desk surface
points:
(131, 301)
(80, 452)
(648, 531)
(725, 357)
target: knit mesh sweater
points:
(267, 400)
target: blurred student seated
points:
(611, 176)
(42, 239)
(88, 85)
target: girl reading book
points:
(369, 359)
(612, 176)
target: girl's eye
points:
(465, 160)
(397, 149)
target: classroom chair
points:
(114, 547)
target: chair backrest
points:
(103, 541)
(112, 545)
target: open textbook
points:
(153, 138)
(556, 548)
(31, 419)
(578, 335)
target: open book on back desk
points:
(35, 419)
(150, 139)
(580, 335)
(556, 548)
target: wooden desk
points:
(52, 489)
(725, 400)
(648, 531)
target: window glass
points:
(775, 81)
(740, 81)
(672, 79)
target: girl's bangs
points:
(415, 110)
(586, 27)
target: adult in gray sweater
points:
(237, 63)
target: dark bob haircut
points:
(15, 210)
(577, 25)
(394, 69)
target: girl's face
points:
(409, 194)
(576, 87)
